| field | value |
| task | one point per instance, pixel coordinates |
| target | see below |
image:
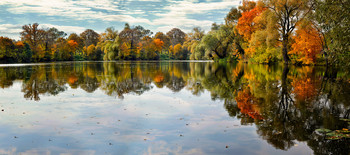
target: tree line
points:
(132, 43)
(265, 31)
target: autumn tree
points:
(6, 49)
(62, 51)
(51, 35)
(164, 38)
(176, 36)
(34, 36)
(131, 37)
(263, 46)
(288, 13)
(164, 54)
(21, 52)
(150, 48)
(179, 52)
(78, 53)
(231, 21)
(247, 5)
(90, 51)
(77, 39)
(176, 51)
(158, 44)
(72, 45)
(89, 37)
(246, 25)
(93, 52)
(307, 45)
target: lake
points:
(172, 108)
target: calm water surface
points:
(171, 108)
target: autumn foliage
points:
(246, 25)
(307, 46)
(158, 44)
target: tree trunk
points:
(240, 50)
(219, 55)
(285, 50)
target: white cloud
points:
(123, 18)
(192, 8)
(77, 10)
(181, 14)
(147, 0)
(13, 30)
(66, 29)
(10, 30)
(135, 12)
(180, 10)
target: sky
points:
(75, 16)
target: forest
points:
(301, 32)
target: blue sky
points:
(78, 15)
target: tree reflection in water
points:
(286, 104)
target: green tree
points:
(191, 43)
(110, 44)
(331, 18)
(219, 43)
(27, 53)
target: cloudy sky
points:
(78, 15)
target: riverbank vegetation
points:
(308, 32)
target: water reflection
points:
(286, 104)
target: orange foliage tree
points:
(246, 25)
(308, 44)
(158, 44)
(72, 45)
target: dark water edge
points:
(172, 107)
